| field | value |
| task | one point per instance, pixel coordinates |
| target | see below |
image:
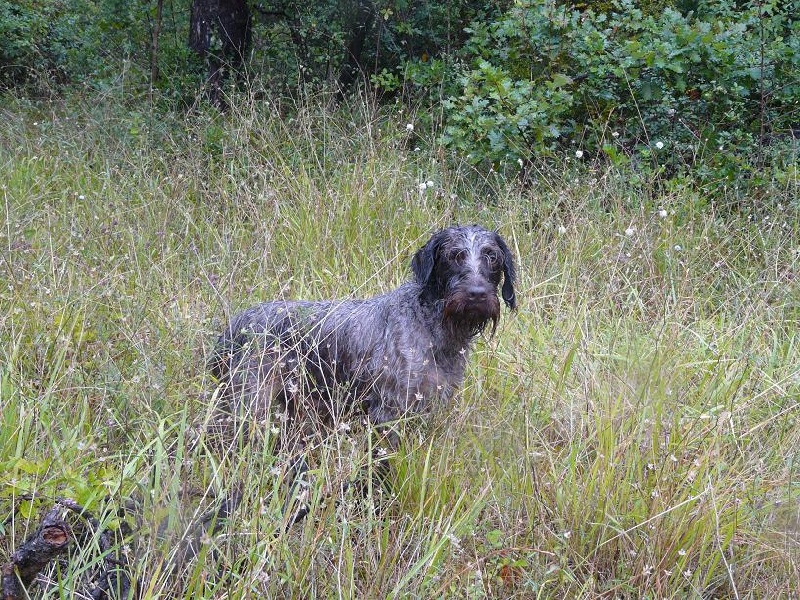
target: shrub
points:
(701, 90)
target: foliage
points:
(102, 45)
(295, 44)
(699, 91)
(69, 38)
(302, 43)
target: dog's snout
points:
(477, 293)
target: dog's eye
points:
(458, 257)
(492, 257)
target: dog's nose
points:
(476, 293)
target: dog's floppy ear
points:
(509, 273)
(425, 258)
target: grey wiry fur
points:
(392, 354)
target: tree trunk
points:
(154, 47)
(219, 31)
(365, 15)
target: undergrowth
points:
(630, 431)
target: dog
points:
(392, 356)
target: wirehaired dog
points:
(393, 355)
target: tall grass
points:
(629, 432)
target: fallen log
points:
(50, 539)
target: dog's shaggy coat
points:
(393, 355)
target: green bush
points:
(679, 90)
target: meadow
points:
(630, 431)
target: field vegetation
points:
(630, 431)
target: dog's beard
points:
(469, 316)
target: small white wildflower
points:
(681, 552)
(662, 213)
(81, 197)
(678, 248)
(423, 186)
(456, 543)
(687, 573)
(410, 127)
(429, 183)
(562, 230)
(673, 458)
(630, 231)
(659, 145)
(567, 535)
(519, 162)
(615, 135)
(578, 153)
(648, 569)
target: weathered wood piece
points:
(50, 539)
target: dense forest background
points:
(709, 88)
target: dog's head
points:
(463, 267)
